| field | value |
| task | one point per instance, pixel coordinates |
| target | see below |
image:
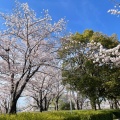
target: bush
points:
(66, 106)
(95, 115)
(62, 115)
(31, 116)
(84, 115)
(116, 113)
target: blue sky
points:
(82, 14)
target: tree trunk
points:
(13, 108)
(15, 96)
(56, 102)
(78, 107)
(98, 103)
(111, 106)
(13, 101)
(115, 104)
(93, 104)
(99, 107)
(81, 105)
(41, 101)
(45, 99)
(48, 103)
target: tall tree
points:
(27, 45)
(111, 59)
(81, 72)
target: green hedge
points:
(95, 115)
(116, 113)
(62, 115)
(31, 116)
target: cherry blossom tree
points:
(58, 88)
(45, 88)
(26, 45)
(40, 88)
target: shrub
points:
(62, 115)
(66, 106)
(116, 113)
(95, 115)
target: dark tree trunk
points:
(94, 107)
(115, 104)
(14, 98)
(78, 107)
(13, 101)
(48, 103)
(13, 108)
(99, 107)
(98, 103)
(111, 106)
(41, 101)
(45, 103)
(93, 104)
(6, 110)
(81, 105)
(56, 102)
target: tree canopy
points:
(80, 72)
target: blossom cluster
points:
(104, 56)
(116, 10)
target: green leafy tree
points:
(79, 71)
